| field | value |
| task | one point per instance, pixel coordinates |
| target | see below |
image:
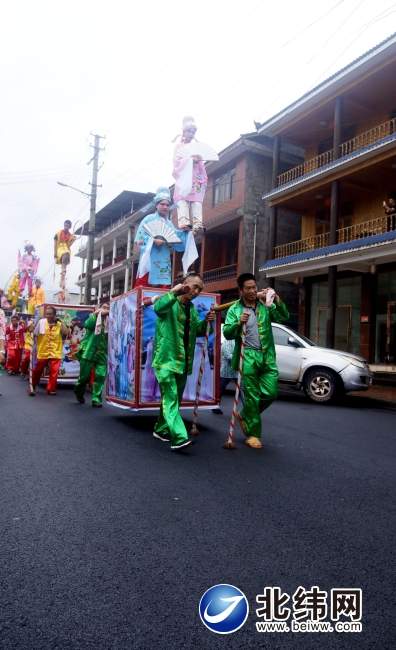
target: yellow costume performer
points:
(63, 242)
(13, 291)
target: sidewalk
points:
(384, 393)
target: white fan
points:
(160, 228)
(205, 151)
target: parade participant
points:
(27, 348)
(49, 333)
(27, 267)
(155, 254)
(3, 326)
(177, 328)
(191, 180)
(260, 372)
(36, 298)
(14, 344)
(4, 304)
(390, 210)
(13, 291)
(93, 355)
(63, 241)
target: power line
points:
(282, 46)
(383, 14)
(314, 22)
(336, 31)
(317, 54)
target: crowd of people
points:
(248, 351)
(247, 325)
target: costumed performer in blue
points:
(156, 239)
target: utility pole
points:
(92, 216)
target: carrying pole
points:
(229, 443)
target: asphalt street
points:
(109, 539)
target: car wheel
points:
(320, 385)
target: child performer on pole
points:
(63, 241)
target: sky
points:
(131, 71)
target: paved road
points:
(109, 539)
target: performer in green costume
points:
(177, 327)
(93, 355)
(260, 372)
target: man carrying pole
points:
(93, 355)
(177, 328)
(259, 369)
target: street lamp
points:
(74, 188)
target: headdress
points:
(188, 123)
(162, 194)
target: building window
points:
(224, 187)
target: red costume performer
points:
(14, 343)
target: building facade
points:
(113, 251)
(344, 257)
(236, 219)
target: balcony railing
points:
(221, 273)
(359, 142)
(386, 223)
(306, 167)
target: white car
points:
(321, 372)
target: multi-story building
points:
(113, 249)
(235, 217)
(236, 220)
(344, 257)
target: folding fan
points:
(205, 151)
(160, 228)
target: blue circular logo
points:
(223, 609)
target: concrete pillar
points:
(334, 212)
(111, 284)
(129, 242)
(99, 290)
(101, 256)
(273, 216)
(126, 280)
(114, 249)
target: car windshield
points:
(307, 340)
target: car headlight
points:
(358, 364)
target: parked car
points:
(321, 372)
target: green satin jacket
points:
(169, 332)
(265, 315)
(93, 347)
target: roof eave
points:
(328, 88)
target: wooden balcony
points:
(222, 273)
(386, 223)
(360, 142)
(305, 168)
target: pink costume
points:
(27, 268)
(191, 181)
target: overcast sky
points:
(131, 70)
